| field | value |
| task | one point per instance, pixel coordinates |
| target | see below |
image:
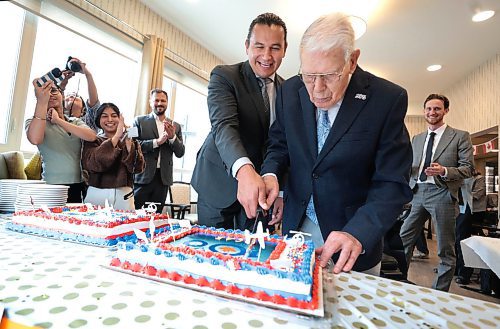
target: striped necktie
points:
(263, 82)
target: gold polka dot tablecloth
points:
(54, 284)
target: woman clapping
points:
(111, 160)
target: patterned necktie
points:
(428, 156)
(322, 130)
(263, 82)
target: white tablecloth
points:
(56, 284)
(482, 252)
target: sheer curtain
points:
(151, 73)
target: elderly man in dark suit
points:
(241, 109)
(160, 138)
(442, 159)
(340, 131)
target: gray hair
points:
(329, 32)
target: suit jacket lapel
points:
(355, 98)
(419, 146)
(152, 121)
(309, 121)
(448, 135)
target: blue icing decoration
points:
(262, 270)
(157, 251)
(294, 277)
(129, 246)
(199, 259)
(167, 253)
(246, 267)
(181, 256)
(144, 248)
(214, 261)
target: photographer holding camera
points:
(111, 160)
(58, 139)
(74, 105)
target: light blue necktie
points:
(323, 129)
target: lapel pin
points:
(360, 96)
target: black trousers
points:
(152, 192)
(463, 230)
(76, 192)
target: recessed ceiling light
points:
(482, 15)
(435, 67)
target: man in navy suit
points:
(340, 132)
(442, 159)
(232, 153)
(160, 138)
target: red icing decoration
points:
(277, 299)
(217, 285)
(174, 276)
(202, 282)
(263, 296)
(115, 262)
(247, 292)
(188, 279)
(232, 289)
(150, 270)
(136, 267)
(162, 274)
(292, 301)
(126, 265)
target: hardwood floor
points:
(422, 273)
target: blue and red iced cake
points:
(84, 224)
(283, 273)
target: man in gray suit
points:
(241, 109)
(160, 137)
(442, 159)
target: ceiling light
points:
(482, 15)
(435, 67)
(358, 25)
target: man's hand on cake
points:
(277, 215)
(251, 190)
(348, 246)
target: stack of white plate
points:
(33, 196)
(8, 192)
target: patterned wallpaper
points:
(180, 48)
(415, 124)
(475, 100)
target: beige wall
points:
(415, 125)
(475, 100)
(180, 48)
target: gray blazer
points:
(239, 129)
(454, 152)
(474, 193)
(146, 124)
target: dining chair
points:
(180, 204)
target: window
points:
(191, 112)
(115, 75)
(11, 20)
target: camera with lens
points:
(54, 75)
(73, 65)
